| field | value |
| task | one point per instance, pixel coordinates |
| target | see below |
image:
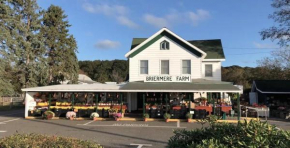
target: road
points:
(107, 133)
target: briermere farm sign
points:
(167, 78)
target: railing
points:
(11, 101)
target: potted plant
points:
(188, 116)
(167, 117)
(95, 116)
(117, 116)
(71, 115)
(48, 115)
(145, 116)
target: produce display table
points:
(262, 111)
(225, 109)
(207, 108)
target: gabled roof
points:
(272, 86)
(143, 44)
(213, 48)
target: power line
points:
(248, 48)
(248, 53)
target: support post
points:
(166, 100)
(143, 104)
(239, 106)
(97, 100)
(121, 99)
(213, 103)
(189, 106)
(73, 101)
(49, 101)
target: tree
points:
(60, 46)
(281, 31)
(277, 66)
(20, 40)
(6, 87)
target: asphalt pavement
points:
(114, 134)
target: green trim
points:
(170, 36)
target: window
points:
(186, 67)
(144, 67)
(208, 70)
(164, 45)
(164, 66)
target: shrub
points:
(188, 116)
(48, 115)
(146, 115)
(167, 116)
(37, 140)
(117, 115)
(94, 115)
(244, 134)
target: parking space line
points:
(88, 122)
(141, 145)
(4, 122)
(3, 131)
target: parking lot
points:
(107, 133)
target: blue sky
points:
(104, 29)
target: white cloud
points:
(127, 22)
(119, 12)
(158, 22)
(176, 17)
(107, 44)
(200, 15)
(265, 45)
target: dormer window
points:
(164, 45)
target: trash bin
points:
(224, 116)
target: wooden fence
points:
(11, 101)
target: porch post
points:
(49, 101)
(143, 104)
(189, 102)
(239, 106)
(97, 100)
(121, 98)
(166, 100)
(213, 103)
(73, 100)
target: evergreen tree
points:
(60, 46)
(20, 40)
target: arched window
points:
(164, 45)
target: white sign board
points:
(167, 78)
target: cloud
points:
(265, 46)
(200, 15)
(175, 17)
(118, 12)
(107, 44)
(158, 22)
(126, 22)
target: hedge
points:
(254, 134)
(43, 141)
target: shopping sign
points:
(167, 78)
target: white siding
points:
(216, 68)
(154, 55)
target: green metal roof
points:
(274, 86)
(212, 47)
(202, 85)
